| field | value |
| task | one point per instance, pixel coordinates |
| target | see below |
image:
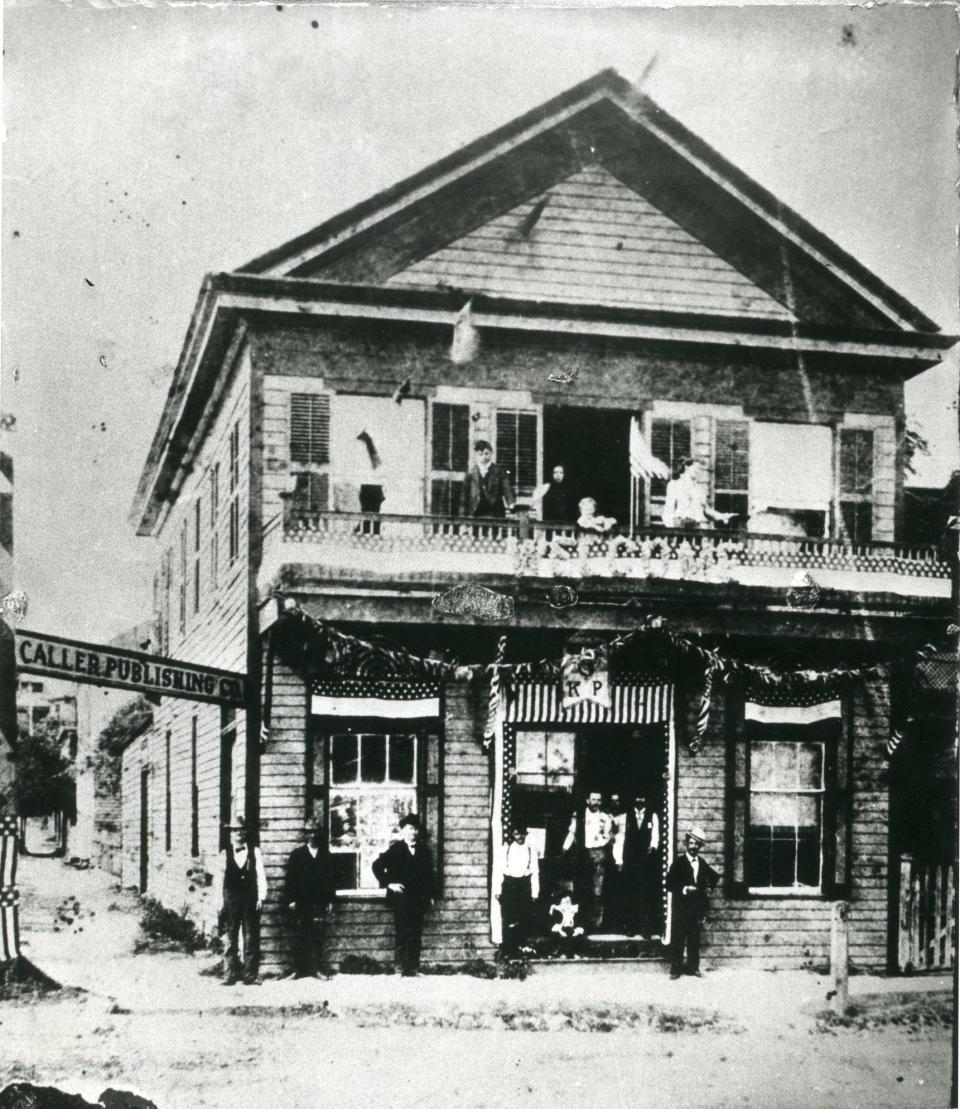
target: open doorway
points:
(614, 877)
(593, 446)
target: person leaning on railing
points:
(686, 503)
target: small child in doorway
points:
(563, 912)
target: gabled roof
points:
(603, 122)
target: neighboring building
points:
(97, 835)
(314, 448)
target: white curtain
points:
(791, 466)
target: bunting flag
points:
(703, 713)
(643, 463)
(390, 700)
(585, 677)
(9, 894)
(493, 702)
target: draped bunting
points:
(349, 657)
(9, 894)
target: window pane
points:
(773, 766)
(559, 760)
(808, 811)
(343, 820)
(343, 758)
(774, 810)
(808, 857)
(378, 818)
(531, 757)
(402, 758)
(809, 765)
(373, 758)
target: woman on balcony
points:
(686, 501)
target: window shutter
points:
(431, 771)
(451, 436)
(732, 460)
(446, 497)
(517, 448)
(309, 428)
(856, 461)
(669, 441)
(738, 795)
(837, 803)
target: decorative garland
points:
(347, 654)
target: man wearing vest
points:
(592, 834)
(636, 853)
(307, 894)
(241, 890)
(690, 880)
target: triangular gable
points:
(592, 240)
(603, 121)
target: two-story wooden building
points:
(589, 276)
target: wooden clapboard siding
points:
(458, 927)
(786, 931)
(596, 242)
(214, 635)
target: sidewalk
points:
(79, 928)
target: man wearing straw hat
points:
(690, 880)
(307, 893)
(241, 890)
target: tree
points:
(43, 782)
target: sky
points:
(145, 147)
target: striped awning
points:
(540, 703)
(810, 721)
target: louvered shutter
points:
(517, 448)
(309, 428)
(856, 484)
(731, 466)
(451, 434)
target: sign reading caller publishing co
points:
(135, 670)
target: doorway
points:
(593, 445)
(144, 828)
(553, 773)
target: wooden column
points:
(839, 955)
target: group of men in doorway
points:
(616, 855)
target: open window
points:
(449, 456)
(791, 478)
(669, 441)
(789, 800)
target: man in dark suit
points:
(405, 870)
(307, 894)
(636, 851)
(487, 489)
(690, 880)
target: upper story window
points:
(214, 523)
(856, 484)
(182, 580)
(669, 441)
(791, 478)
(731, 468)
(516, 448)
(233, 549)
(450, 456)
(310, 428)
(197, 512)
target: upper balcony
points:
(380, 545)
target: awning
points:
(540, 703)
(793, 721)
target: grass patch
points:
(162, 929)
(517, 969)
(363, 964)
(545, 1018)
(908, 1013)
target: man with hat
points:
(307, 894)
(241, 890)
(690, 880)
(405, 871)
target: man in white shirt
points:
(593, 835)
(690, 880)
(519, 889)
(241, 890)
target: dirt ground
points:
(156, 1025)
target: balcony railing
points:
(530, 548)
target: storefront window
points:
(373, 783)
(545, 759)
(786, 815)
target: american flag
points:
(9, 895)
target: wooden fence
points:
(928, 916)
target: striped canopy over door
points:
(539, 703)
